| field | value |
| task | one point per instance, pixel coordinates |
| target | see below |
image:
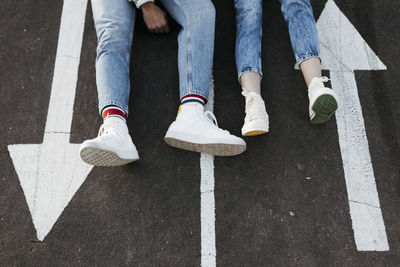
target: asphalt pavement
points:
(284, 202)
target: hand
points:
(154, 18)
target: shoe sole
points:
(100, 157)
(324, 106)
(254, 133)
(212, 149)
(255, 127)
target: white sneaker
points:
(323, 101)
(198, 131)
(256, 121)
(112, 147)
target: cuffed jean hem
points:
(112, 103)
(249, 69)
(304, 58)
(194, 92)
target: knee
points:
(113, 36)
(294, 8)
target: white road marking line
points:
(50, 173)
(207, 211)
(343, 50)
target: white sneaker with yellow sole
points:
(256, 121)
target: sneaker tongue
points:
(253, 98)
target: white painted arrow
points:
(343, 50)
(50, 173)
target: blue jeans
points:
(302, 29)
(114, 22)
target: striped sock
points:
(193, 98)
(113, 111)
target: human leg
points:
(248, 43)
(311, 68)
(193, 128)
(304, 38)
(248, 64)
(195, 44)
(299, 17)
(114, 21)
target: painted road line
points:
(50, 173)
(366, 215)
(343, 50)
(207, 210)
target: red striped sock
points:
(113, 111)
(193, 98)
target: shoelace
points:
(211, 117)
(104, 129)
(324, 79)
(213, 120)
(254, 106)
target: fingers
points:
(160, 27)
(156, 20)
(166, 28)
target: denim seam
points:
(189, 55)
(305, 57)
(112, 103)
(249, 69)
(188, 48)
(189, 78)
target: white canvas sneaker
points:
(256, 121)
(198, 131)
(323, 101)
(112, 147)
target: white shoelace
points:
(213, 120)
(106, 129)
(211, 117)
(103, 130)
(324, 79)
(255, 106)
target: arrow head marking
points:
(50, 174)
(342, 46)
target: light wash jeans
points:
(302, 29)
(114, 22)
